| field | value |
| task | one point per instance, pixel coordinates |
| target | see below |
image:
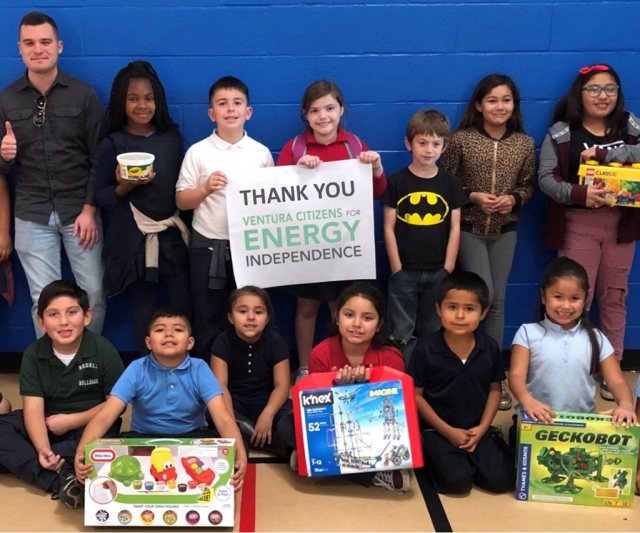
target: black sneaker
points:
(71, 490)
(496, 431)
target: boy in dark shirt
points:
(421, 230)
(457, 373)
(65, 378)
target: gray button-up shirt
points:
(56, 162)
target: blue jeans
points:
(39, 250)
(411, 311)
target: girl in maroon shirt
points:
(324, 140)
(359, 344)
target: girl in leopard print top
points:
(495, 160)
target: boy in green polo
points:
(65, 377)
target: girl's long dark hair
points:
(569, 107)
(368, 291)
(472, 118)
(116, 112)
(561, 268)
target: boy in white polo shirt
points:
(201, 187)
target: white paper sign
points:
(290, 225)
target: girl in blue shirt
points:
(553, 361)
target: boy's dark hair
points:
(429, 122)
(59, 288)
(228, 82)
(253, 290)
(569, 107)
(170, 311)
(319, 89)
(472, 118)
(116, 112)
(37, 18)
(463, 280)
(562, 268)
(370, 292)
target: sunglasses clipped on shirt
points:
(38, 118)
(595, 90)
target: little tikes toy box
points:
(580, 459)
(363, 427)
(160, 482)
(622, 180)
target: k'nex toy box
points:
(362, 427)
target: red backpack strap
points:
(299, 147)
(353, 145)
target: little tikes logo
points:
(317, 398)
(102, 455)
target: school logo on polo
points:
(89, 374)
(422, 209)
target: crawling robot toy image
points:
(577, 463)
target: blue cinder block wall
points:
(389, 58)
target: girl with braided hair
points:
(146, 244)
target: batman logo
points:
(422, 209)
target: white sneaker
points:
(605, 392)
(505, 397)
(397, 481)
(303, 371)
(293, 460)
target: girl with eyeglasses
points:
(590, 122)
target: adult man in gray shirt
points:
(50, 123)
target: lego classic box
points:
(622, 180)
(363, 427)
(580, 459)
(160, 482)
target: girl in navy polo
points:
(251, 363)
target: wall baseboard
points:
(10, 361)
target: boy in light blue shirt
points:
(169, 393)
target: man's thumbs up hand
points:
(9, 146)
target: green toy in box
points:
(580, 459)
(160, 482)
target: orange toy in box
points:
(362, 427)
(622, 180)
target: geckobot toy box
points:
(363, 427)
(160, 482)
(580, 459)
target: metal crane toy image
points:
(577, 463)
